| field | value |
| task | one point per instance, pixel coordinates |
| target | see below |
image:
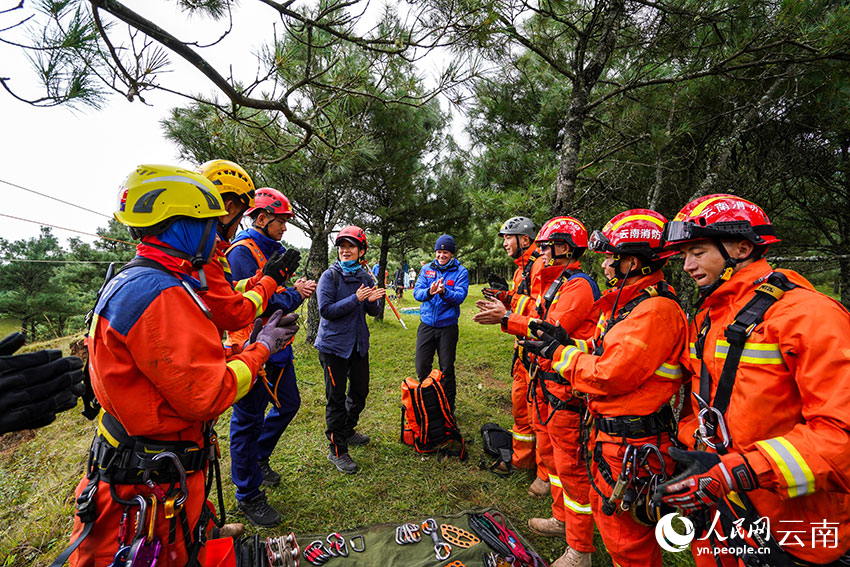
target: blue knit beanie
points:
(445, 242)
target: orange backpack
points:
(427, 422)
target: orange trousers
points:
(99, 548)
(539, 415)
(629, 542)
(524, 456)
(564, 435)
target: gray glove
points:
(278, 331)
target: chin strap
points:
(198, 260)
(622, 285)
(224, 228)
(729, 265)
(520, 250)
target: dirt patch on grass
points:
(10, 441)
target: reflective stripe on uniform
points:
(601, 323)
(575, 506)
(583, 346)
(525, 438)
(693, 350)
(241, 285)
(754, 353)
(796, 472)
(244, 377)
(256, 299)
(563, 362)
(521, 304)
(671, 371)
(555, 480)
(93, 325)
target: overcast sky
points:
(82, 156)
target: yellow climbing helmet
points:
(229, 177)
(154, 194)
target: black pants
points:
(343, 409)
(443, 341)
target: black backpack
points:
(498, 443)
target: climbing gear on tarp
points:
(458, 537)
(407, 533)
(283, 551)
(427, 421)
(491, 559)
(357, 548)
(505, 541)
(455, 564)
(316, 553)
(442, 550)
(498, 443)
(336, 545)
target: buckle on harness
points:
(85, 502)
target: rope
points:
(68, 229)
(53, 198)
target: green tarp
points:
(383, 551)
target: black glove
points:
(497, 282)
(34, 387)
(557, 332)
(278, 331)
(545, 347)
(282, 265)
(500, 295)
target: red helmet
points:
(563, 229)
(271, 201)
(353, 234)
(720, 216)
(636, 232)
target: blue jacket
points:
(342, 327)
(441, 310)
(244, 265)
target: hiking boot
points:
(572, 558)
(357, 439)
(539, 488)
(344, 463)
(548, 527)
(259, 512)
(270, 477)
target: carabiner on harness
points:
(711, 423)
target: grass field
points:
(395, 484)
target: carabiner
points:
(707, 414)
(184, 490)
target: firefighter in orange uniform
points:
(517, 234)
(159, 370)
(629, 372)
(565, 296)
(770, 429)
(235, 304)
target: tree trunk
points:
(565, 182)
(844, 281)
(318, 263)
(585, 80)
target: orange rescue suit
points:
(158, 366)
(789, 412)
(637, 374)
